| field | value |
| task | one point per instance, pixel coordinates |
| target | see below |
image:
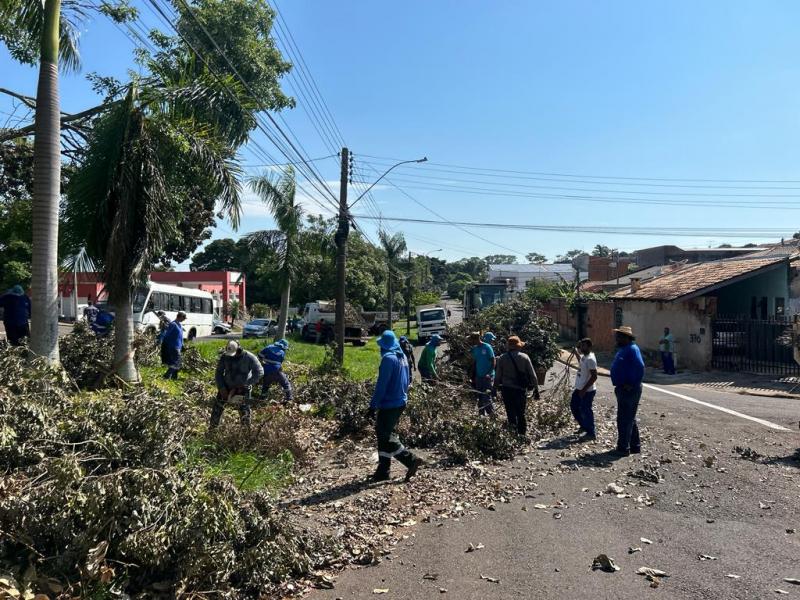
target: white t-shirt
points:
(587, 364)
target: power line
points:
(669, 231)
(454, 180)
(257, 147)
(602, 199)
(584, 176)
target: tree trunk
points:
(283, 316)
(123, 341)
(46, 193)
(390, 293)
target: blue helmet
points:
(282, 343)
(435, 340)
(388, 341)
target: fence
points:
(754, 346)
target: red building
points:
(228, 286)
(603, 268)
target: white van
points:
(431, 320)
(197, 304)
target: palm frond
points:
(21, 25)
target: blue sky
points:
(665, 90)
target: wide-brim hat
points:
(388, 340)
(515, 342)
(625, 330)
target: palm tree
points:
(35, 31)
(393, 246)
(278, 193)
(125, 200)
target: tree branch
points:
(66, 120)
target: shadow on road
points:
(602, 459)
(343, 490)
(791, 460)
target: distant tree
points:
(536, 258)
(750, 245)
(725, 246)
(219, 255)
(501, 259)
(568, 256)
(278, 193)
(602, 251)
(457, 285)
(393, 247)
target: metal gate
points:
(753, 346)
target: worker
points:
(427, 360)
(272, 358)
(514, 377)
(172, 346)
(482, 372)
(627, 372)
(16, 313)
(666, 346)
(585, 390)
(408, 350)
(102, 324)
(237, 372)
(387, 405)
(319, 327)
(90, 313)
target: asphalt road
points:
(735, 510)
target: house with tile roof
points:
(725, 314)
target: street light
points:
(389, 170)
(342, 233)
(408, 284)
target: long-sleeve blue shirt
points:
(16, 309)
(272, 358)
(391, 389)
(173, 336)
(628, 366)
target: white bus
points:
(197, 304)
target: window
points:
(139, 299)
(197, 305)
(207, 307)
(618, 317)
(174, 302)
(780, 307)
(763, 305)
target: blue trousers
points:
(485, 404)
(627, 429)
(280, 378)
(582, 410)
(669, 363)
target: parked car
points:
(259, 328)
(219, 327)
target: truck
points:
(478, 296)
(355, 331)
(430, 320)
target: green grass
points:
(249, 470)
(361, 362)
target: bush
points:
(102, 485)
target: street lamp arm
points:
(389, 170)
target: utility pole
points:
(341, 256)
(408, 294)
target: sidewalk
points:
(738, 383)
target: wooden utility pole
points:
(408, 294)
(341, 256)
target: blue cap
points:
(282, 343)
(489, 337)
(435, 340)
(388, 341)
(403, 338)
(17, 290)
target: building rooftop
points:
(530, 268)
(697, 279)
(642, 274)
